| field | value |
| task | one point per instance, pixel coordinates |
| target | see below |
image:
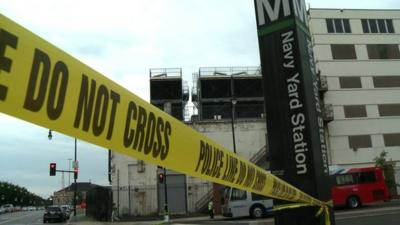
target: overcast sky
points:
(123, 40)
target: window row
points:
(377, 26)
(359, 111)
(375, 51)
(368, 25)
(379, 82)
(364, 141)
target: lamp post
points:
(50, 136)
(233, 103)
(75, 186)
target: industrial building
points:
(358, 60)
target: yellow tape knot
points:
(324, 208)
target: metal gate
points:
(176, 194)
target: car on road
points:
(67, 210)
(2, 210)
(54, 213)
(8, 208)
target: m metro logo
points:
(269, 11)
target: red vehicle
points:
(356, 186)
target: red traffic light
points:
(53, 169)
(161, 177)
(76, 173)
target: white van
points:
(8, 208)
(239, 203)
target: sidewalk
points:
(83, 220)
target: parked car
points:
(54, 213)
(67, 210)
(2, 210)
(8, 208)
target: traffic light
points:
(52, 169)
(76, 173)
(161, 177)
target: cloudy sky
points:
(123, 39)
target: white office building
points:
(357, 53)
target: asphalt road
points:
(22, 218)
(387, 214)
(384, 213)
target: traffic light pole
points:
(167, 109)
(75, 187)
(166, 216)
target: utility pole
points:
(75, 186)
(233, 103)
(167, 109)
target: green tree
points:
(388, 170)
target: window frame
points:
(336, 49)
(350, 109)
(338, 25)
(352, 141)
(342, 82)
(386, 82)
(389, 137)
(369, 24)
(378, 52)
(385, 111)
(235, 195)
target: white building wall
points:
(250, 138)
(340, 128)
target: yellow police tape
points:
(43, 85)
(323, 209)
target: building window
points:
(343, 51)
(391, 139)
(360, 141)
(386, 81)
(377, 25)
(383, 51)
(350, 82)
(352, 111)
(338, 25)
(141, 166)
(389, 110)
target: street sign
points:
(295, 125)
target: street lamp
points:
(233, 101)
(50, 136)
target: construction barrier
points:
(41, 84)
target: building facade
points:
(65, 196)
(225, 115)
(357, 54)
(358, 60)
